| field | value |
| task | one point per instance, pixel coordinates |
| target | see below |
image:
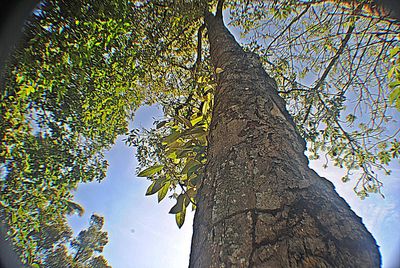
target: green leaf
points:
(391, 71)
(384, 157)
(191, 166)
(193, 169)
(205, 108)
(172, 137)
(196, 131)
(350, 118)
(172, 155)
(394, 51)
(155, 186)
(163, 191)
(161, 124)
(150, 171)
(394, 95)
(196, 120)
(183, 120)
(196, 180)
(190, 193)
(394, 84)
(180, 218)
(183, 153)
(395, 149)
(219, 70)
(179, 206)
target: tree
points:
(90, 241)
(60, 258)
(84, 250)
(58, 115)
(258, 203)
(99, 261)
(191, 153)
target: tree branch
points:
(335, 57)
(199, 46)
(220, 5)
(330, 66)
(288, 26)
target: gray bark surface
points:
(260, 205)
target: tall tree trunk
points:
(260, 205)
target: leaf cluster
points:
(394, 76)
(172, 155)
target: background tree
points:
(60, 258)
(99, 261)
(67, 96)
(84, 249)
(90, 241)
(59, 112)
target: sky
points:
(143, 234)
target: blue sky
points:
(143, 234)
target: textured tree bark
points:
(260, 205)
